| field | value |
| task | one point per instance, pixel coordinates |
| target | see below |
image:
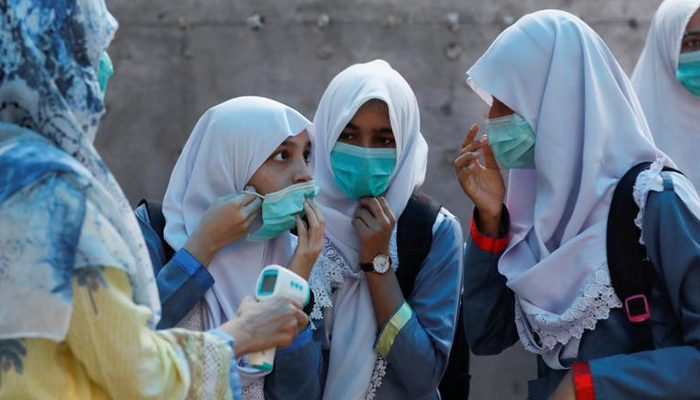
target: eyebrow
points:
(288, 143)
(691, 33)
(386, 129)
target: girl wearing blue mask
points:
(667, 82)
(370, 158)
(565, 122)
(241, 151)
(79, 299)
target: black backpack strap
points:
(631, 272)
(414, 237)
(154, 209)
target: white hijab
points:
(672, 111)
(352, 356)
(559, 75)
(228, 144)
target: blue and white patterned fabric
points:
(56, 194)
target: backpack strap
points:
(154, 209)
(414, 238)
(631, 272)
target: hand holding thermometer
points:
(275, 281)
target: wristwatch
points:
(380, 264)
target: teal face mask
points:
(688, 73)
(104, 72)
(361, 171)
(279, 209)
(512, 140)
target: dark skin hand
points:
(483, 183)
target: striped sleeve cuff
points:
(392, 328)
(583, 381)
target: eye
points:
(691, 43)
(281, 156)
(387, 141)
(307, 156)
(346, 136)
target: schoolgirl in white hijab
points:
(355, 369)
(230, 143)
(671, 100)
(566, 122)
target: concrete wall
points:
(176, 58)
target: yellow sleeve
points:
(108, 335)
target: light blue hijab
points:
(61, 209)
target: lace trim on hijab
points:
(592, 304)
(377, 377)
(254, 391)
(326, 276)
(644, 184)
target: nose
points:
(301, 173)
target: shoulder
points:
(446, 224)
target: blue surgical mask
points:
(512, 140)
(279, 209)
(362, 171)
(688, 73)
(104, 72)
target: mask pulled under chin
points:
(279, 209)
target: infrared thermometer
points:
(275, 281)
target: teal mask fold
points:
(512, 140)
(688, 73)
(279, 209)
(362, 171)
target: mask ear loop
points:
(251, 190)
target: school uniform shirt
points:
(604, 368)
(415, 343)
(182, 282)
(589, 129)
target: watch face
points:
(382, 263)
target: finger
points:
(240, 198)
(319, 215)
(386, 209)
(489, 157)
(302, 320)
(465, 160)
(252, 207)
(364, 215)
(471, 135)
(251, 217)
(471, 147)
(310, 216)
(372, 204)
(361, 227)
(302, 232)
